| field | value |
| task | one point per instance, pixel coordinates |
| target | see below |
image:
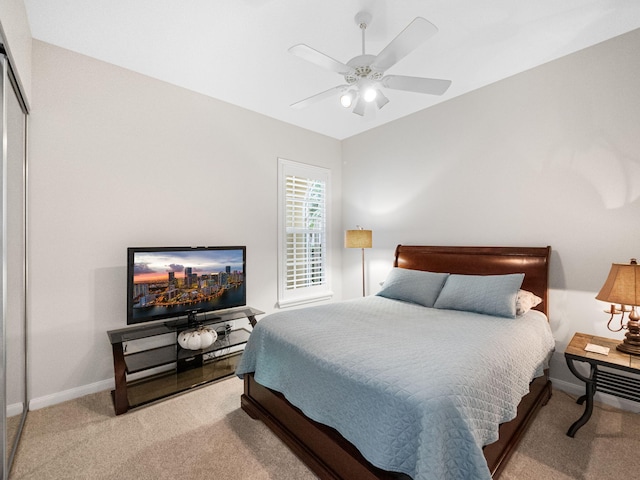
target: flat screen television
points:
(172, 282)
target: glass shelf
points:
(156, 357)
(136, 332)
(156, 387)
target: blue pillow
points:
(413, 286)
(489, 294)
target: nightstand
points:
(603, 376)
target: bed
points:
(388, 450)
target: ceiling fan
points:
(364, 74)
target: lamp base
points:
(631, 344)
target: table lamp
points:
(622, 287)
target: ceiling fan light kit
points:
(364, 74)
(347, 98)
(368, 93)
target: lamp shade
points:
(622, 285)
(357, 239)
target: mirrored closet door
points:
(13, 343)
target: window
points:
(303, 193)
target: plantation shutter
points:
(304, 191)
(306, 222)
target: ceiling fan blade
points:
(317, 97)
(318, 58)
(431, 86)
(416, 33)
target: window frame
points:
(288, 297)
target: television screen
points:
(170, 282)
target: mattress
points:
(417, 390)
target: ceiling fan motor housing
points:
(361, 69)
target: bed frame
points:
(328, 454)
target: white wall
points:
(118, 159)
(547, 157)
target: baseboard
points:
(14, 409)
(611, 400)
(568, 387)
(59, 397)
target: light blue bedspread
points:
(416, 390)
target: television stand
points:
(137, 382)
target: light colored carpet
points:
(603, 449)
(205, 435)
(200, 435)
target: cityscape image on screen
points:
(171, 282)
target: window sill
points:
(294, 302)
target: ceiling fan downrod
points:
(363, 19)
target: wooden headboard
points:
(532, 261)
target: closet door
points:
(13, 266)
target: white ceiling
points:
(236, 50)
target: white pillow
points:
(526, 301)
